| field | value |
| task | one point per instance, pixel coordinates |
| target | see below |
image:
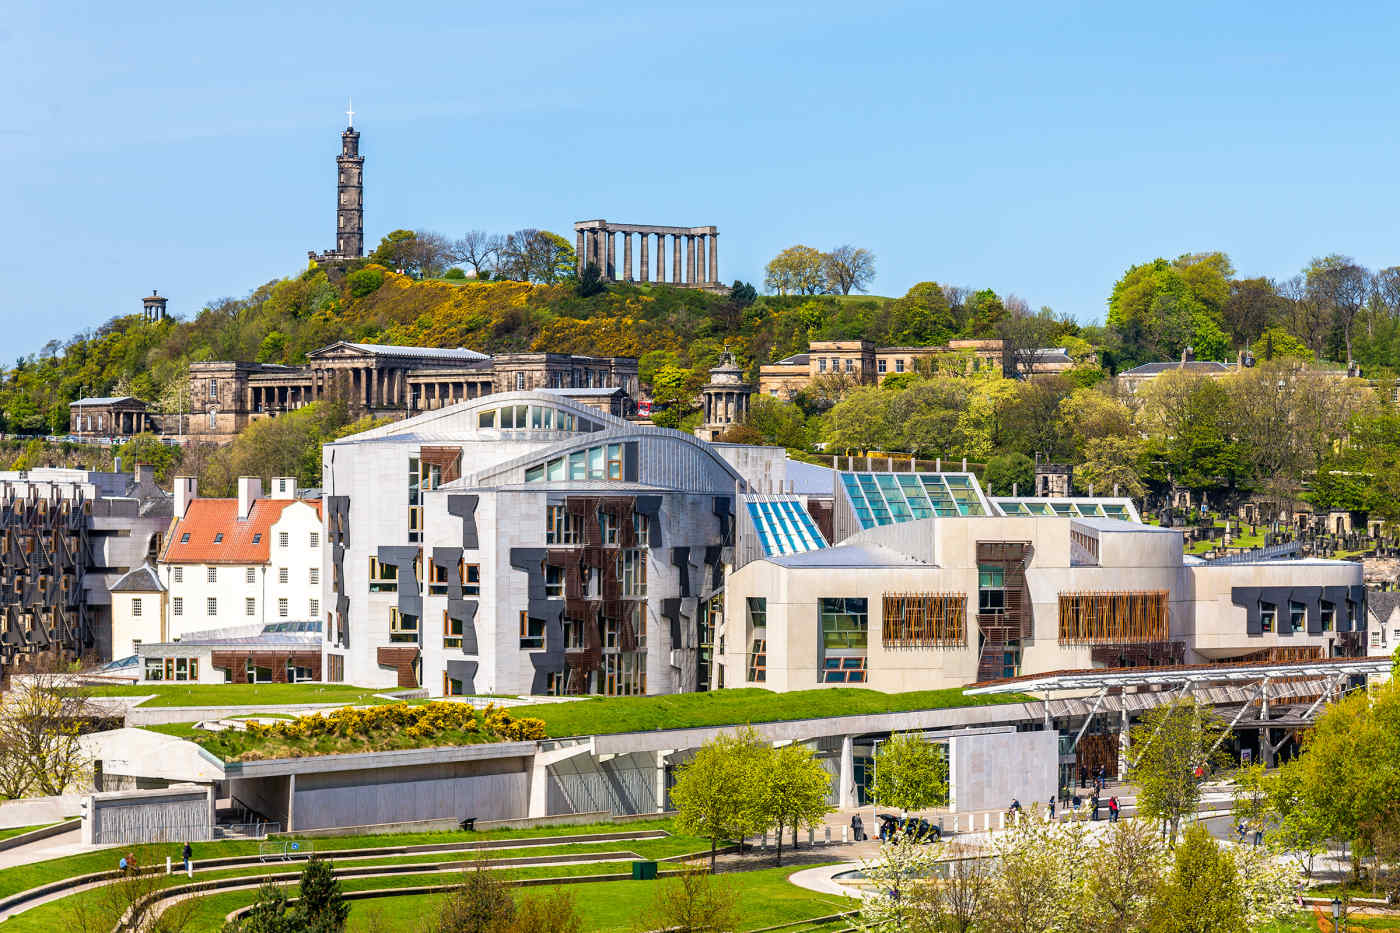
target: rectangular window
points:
(519, 383)
(282, 607)
(212, 575)
(573, 635)
(314, 576)
(178, 574)
(136, 606)
(1268, 617)
(607, 527)
(451, 631)
(845, 625)
(383, 578)
(315, 540)
(415, 501)
(250, 575)
(471, 579)
(880, 365)
(641, 529)
(1329, 616)
(560, 527)
(1297, 615)
(531, 632)
(899, 365)
(437, 579)
(282, 538)
(486, 419)
(177, 605)
(185, 538)
(250, 606)
(213, 420)
(991, 589)
(821, 364)
(257, 537)
(155, 669)
(314, 608)
(924, 620)
(283, 575)
(213, 389)
(211, 606)
(553, 582)
(632, 571)
(403, 626)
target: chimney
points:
(186, 490)
(249, 491)
(1188, 355)
(145, 474)
(283, 487)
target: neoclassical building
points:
(391, 381)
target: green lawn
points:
(765, 898)
(239, 694)
(20, 830)
(738, 706)
(24, 877)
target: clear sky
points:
(1034, 148)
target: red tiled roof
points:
(206, 518)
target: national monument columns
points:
(693, 268)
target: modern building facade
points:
(932, 584)
(385, 381)
(525, 543)
(253, 560)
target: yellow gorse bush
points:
(425, 722)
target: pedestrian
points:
(1095, 804)
(1258, 836)
(1083, 775)
(1113, 809)
(1242, 828)
(186, 854)
(123, 865)
(1052, 808)
(857, 829)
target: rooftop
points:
(210, 532)
(1191, 366)
(848, 556)
(106, 400)
(141, 580)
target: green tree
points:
(1039, 875)
(1160, 308)
(1123, 872)
(777, 422)
(479, 904)
(716, 794)
(793, 791)
(1111, 462)
(364, 282)
(910, 774)
(1006, 472)
(1171, 749)
(590, 282)
(268, 913)
(146, 448)
(859, 421)
(797, 270)
(1202, 893)
(321, 908)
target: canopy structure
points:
(1199, 674)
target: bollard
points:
(1001, 820)
(189, 869)
(811, 836)
(955, 824)
(986, 822)
(844, 840)
(763, 843)
(827, 831)
(167, 864)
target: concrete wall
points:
(184, 813)
(488, 789)
(988, 771)
(269, 796)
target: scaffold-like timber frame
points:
(1113, 617)
(924, 620)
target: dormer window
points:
(219, 538)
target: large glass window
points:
(1329, 616)
(1297, 615)
(553, 582)
(403, 626)
(531, 632)
(603, 462)
(632, 571)
(383, 578)
(1268, 616)
(451, 631)
(845, 625)
(991, 589)
(560, 526)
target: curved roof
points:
(454, 421)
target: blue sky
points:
(1037, 148)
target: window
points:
(212, 575)
(991, 589)
(437, 579)
(850, 365)
(605, 462)
(1268, 617)
(1329, 616)
(184, 669)
(282, 539)
(757, 610)
(486, 419)
(185, 538)
(625, 674)
(415, 500)
(314, 607)
(844, 628)
(213, 389)
(282, 607)
(632, 571)
(403, 626)
(560, 527)
(297, 674)
(213, 419)
(531, 632)
(178, 574)
(136, 606)
(607, 526)
(880, 365)
(250, 606)
(314, 576)
(257, 537)
(553, 582)
(757, 670)
(573, 635)
(257, 675)
(315, 540)
(1297, 615)
(211, 606)
(177, 605)
(155, 670)
(471, 579)
(451, 631)
(899, 365)
(219, 538)
(835, 365)
(383, 578)
(821, 364)
(519, 383)
(250, 575)
(641, 529)
(282, 575)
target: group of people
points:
(128, 865)
(1098, 774)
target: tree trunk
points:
(714, 843)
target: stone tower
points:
(726, 398)
(349, 203)
(153, 307)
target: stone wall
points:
(183, 813)
(987, 771)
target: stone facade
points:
(597, 246)
(153, 307)
(725, 398)
(109, 417)
(386, 381)
(349, 201)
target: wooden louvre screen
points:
(924, 620)
(1111, 618)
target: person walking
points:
(123, 865)
(1083, 776)
(1052, 808)
(1095, 804)
(857, 829)
(1113, 809)
(186, 854)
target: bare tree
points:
(1342, 286)
(41, 718)
(958, 904)
(1387, 291)
(849, 269)
(1023, 335)
(480, 250)
(1308, 316)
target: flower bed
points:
(373, 729)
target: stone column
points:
(689, 259)
(610, 243)
(644, 274)
(675, 258)
(714, 257)
(700, 258)
(578, 251)
(626, 256)
(846, 788)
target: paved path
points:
(65, 843)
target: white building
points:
(250, 561)
(523, 542)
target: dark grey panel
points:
(712, 558)
(465, 671)
(1249, 597)
(650, 506)
(629, 461)
(724, 511)
(680, 558)
(530, 561)
(671, 612)
(338, 515)
(464, 507)
(410, 598)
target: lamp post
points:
(1336, 915)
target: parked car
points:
(917, 828)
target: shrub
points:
(364, 282)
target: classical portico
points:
(725, 397)
(694, 253)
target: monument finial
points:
(350, 111)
